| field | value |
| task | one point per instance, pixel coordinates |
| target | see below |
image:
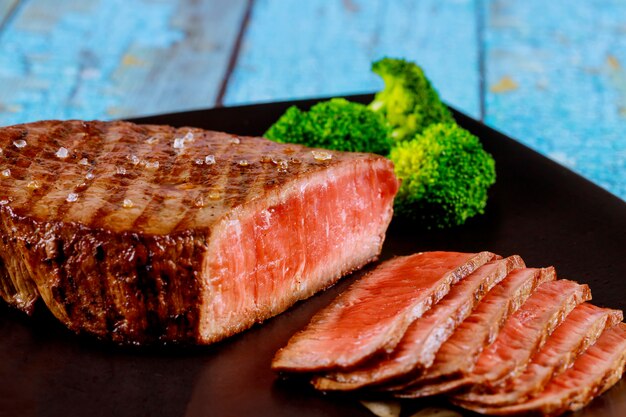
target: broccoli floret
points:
(291, 127)
(445, 175)
(335, 124)
(409, 102)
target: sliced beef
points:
(374, 313)
(525, 332)
(594, 372)
(417, 349)
(582, 327)
(151, 233)
(457, 356)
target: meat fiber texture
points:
(525, 333)
(375, 312)
(580, 329)
(416, 350)
(593, 372)
(140, 233)
(504, 339)
(457, 357)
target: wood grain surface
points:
(108, 59)
(556, 79)
(551, 74)
(326, 48)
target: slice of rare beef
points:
(580, 329)
(417, 349)
(152, 233)
(594, 372)
(458, 355)
(374, 313)
(524, 333)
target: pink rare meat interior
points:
(278, 250)
(373, 314)
(457, 357)
(416, 350)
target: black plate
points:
(537, 209)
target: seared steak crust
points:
(109, 222)
(128, 287)
(163, 171)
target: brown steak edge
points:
(126, 287)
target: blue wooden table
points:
(552, 74)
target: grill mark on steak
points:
(593, 373)
(216, 183)
(91, 149)
(89, 146)
(153, 206)
(240, 177)
(197, 175)
(123, 183)
(19, 158)
(183, 170)
(108, 185)
(73, 137)
(155, 203)
(99, 165)
(54, 205)
(140, 182)
(46, 178)
(230, 177)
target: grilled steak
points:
(374, 313)
(145, 233)
(458, 355)
(498, 337)
(582, 327)
(425, 335)
(594, 372)
(525, 333)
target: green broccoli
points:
(445, 175)
(409, 102)
(335, 124)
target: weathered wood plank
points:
(6, 7)
(556, 80)
(188, 74)
(555, 70)
(320, 47)
(115, 58)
